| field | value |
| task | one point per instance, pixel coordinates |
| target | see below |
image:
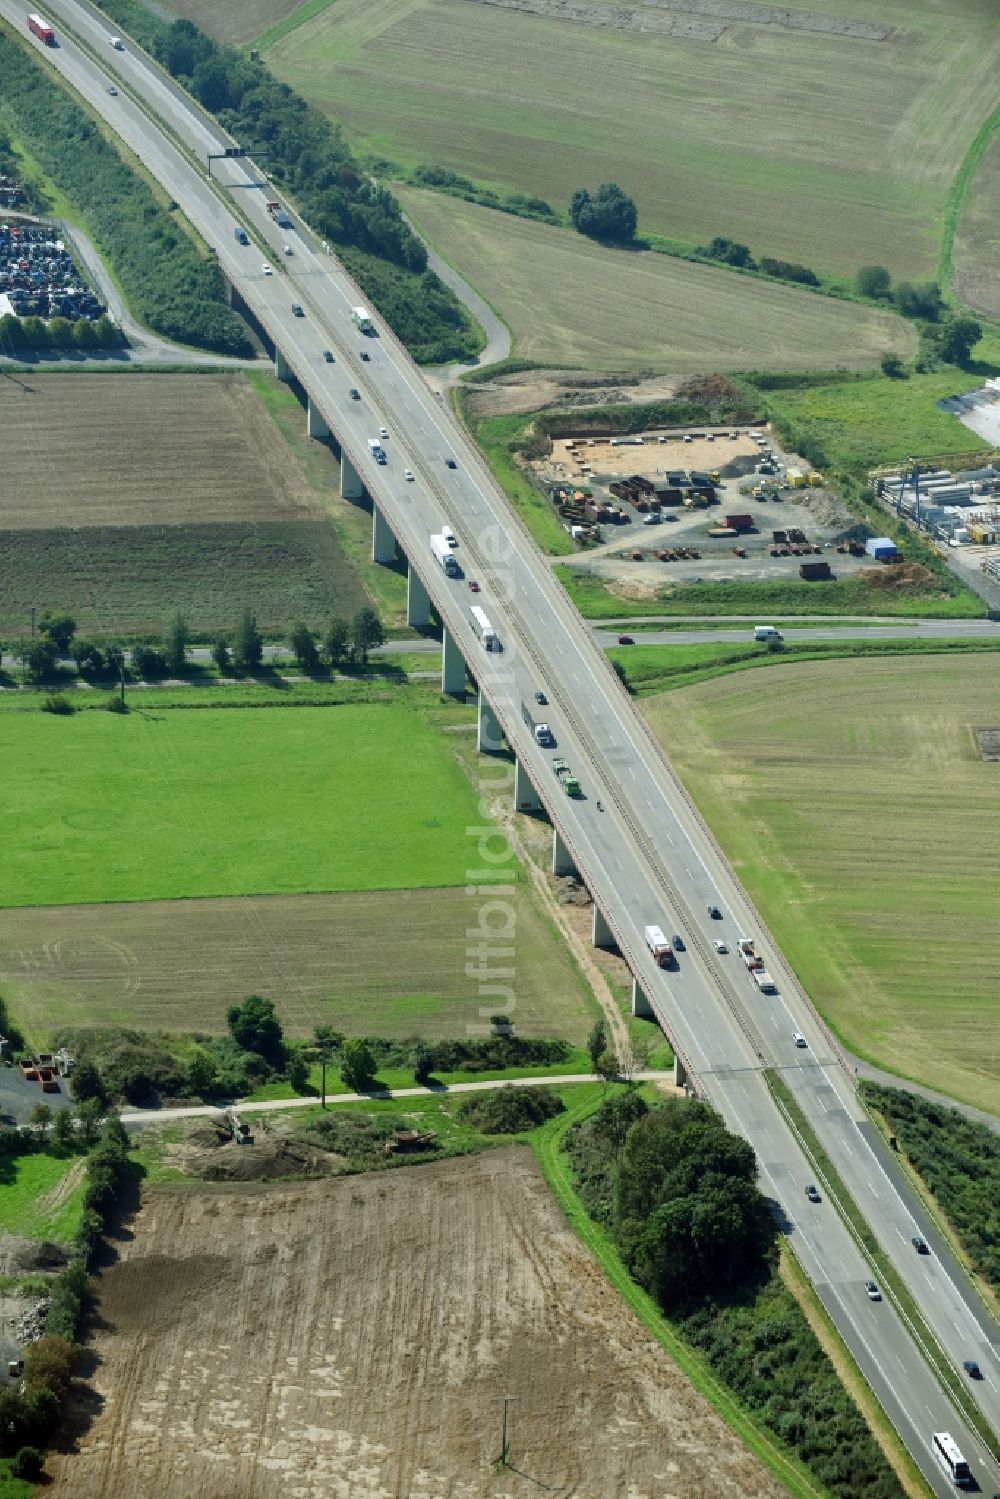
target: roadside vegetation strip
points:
(497, 437)
(596, 600)
(643, 310)
(892, 1282)
(548, 1145)
(955, 1162)
(169, 286)
(850, 1376)
(651, 669)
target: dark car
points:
(541, 698)
(972, 1369)
(625, 640)
(328, 356)
(715, 913)
(365, 355)
(355, 393)
(812, 1192)
(678, 942)
(919, 1244)
(473, 586)
(872, 1291)
(450, 463)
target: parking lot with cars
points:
(39, 277)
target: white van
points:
(766, 632)
(449, 536)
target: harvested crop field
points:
(355, 1336)
(977, 240)
(129, 497)
(323, 959)
(234, 21)
(763, 133)
(571, 301)
(853, 802)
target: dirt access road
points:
(353, 1338)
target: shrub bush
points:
(510, 1111)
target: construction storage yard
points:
(693, 505)
(356, 1337)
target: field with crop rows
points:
(977, 240)
(127, 497)
(355, 1336)
(382, 963)
(852, 801)
(825, 135)
(234, 21)
(235, 801)
(571, 302)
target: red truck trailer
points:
(41, 28)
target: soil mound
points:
(899, 577)
(270, 1160)
(21, 1256)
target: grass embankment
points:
(861, 424)
(141, 807)
(574, 303)
(576, 1063)
(499, 437)
(891, 1281)
(33, 1203)
(595, 600)
(849, 797)
(659, 668)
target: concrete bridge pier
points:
(316, 423)
(526, 798)
(418, 604)
(562, 859)
(640, 1004)
(281, 366)
(351, 487)
(680, 1073)
(452, 665)
(490, 732)
(383, 541)
(602, 935)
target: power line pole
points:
(502, 1459)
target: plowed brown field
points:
(355, 1337)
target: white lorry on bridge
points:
(444, 555)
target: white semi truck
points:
(444, 555)
(376, 449)
(659, 946)
(483, 628)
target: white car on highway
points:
(267, 269)
(720, 946)
(408, 475)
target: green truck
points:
(570, 784)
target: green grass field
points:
(864, 423)
(33, 1201)
(765, 134)
(854, 805)
(574, 303)
(595, 600)
(229, 802)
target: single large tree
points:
(248, 647)
(336, 640)
(366, 633)
(60, 629)
(254, 1026)
(303, 643)
(175, 646)
(357, 1064)
(609, 214)
(873, 281)
(959, 335)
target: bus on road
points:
(948, 1455)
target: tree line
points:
(342, 641)
(82, 334)
(308, 156)
(678, 1194)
